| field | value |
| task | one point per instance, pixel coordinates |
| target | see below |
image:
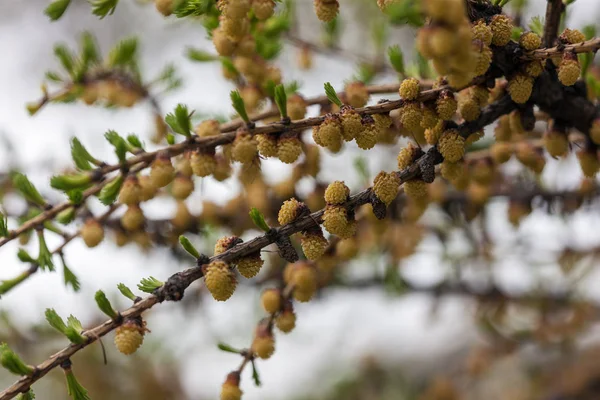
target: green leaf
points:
(170, 138)
(7, 284)
(189, 247)
(227, 348)
(75, 196)
(292, 87)
(125, 291)
(179, 120)
(25, 257)
(109, 193)
(104, 305)
(69, 277)
(3, 225)
(255, 375)
(238, 105)
(29, 395)
(259, 219)
(365, 73)
(194, 8)
(267, 48)
(12, 362)
(228, 65)
(26, 188)
(585, 60)
(149, 285)
(124, 53)
(44, 259)
(536, 25)
(332, 95)
(200, 55)
(589, 31)
(397, 59)
(89, 49)
(66, 58)
(118, 143)
(424, 66)
(74, 388)
(135, 141)
(516, 33)
(380, 33)
(277, 25)
(70, 182)
(81, 157)
(56, 9)
(407, 12)
(102, 8)
(331, 32)
(73, 331)
(55, 320)
(66, 216)
(53, 76)
(281, 100)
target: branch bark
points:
(554, 10)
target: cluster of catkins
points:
(111, 92)
(510, 133)
(233, 39)
(459, 50)
(348, 124)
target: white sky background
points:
(332, 333)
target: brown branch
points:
(554, 10)
(589, 46)
(181, 280)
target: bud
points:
(130, 336)
(313, 243)
(286, 320)
(296, 106)
(133, 219)
(356, 94)
(409, 89)
(230, 390)
(501, 29)
(130, 191)
(289, 149)
(244, 147)
(92, 232)
(263, 344)
(162, 171)
(219, 280)
(452, 146)
(225, 243)
(386, 186)
(335, 220)
(207, 128)
(291, 210)
(249, 266)
(337, 193)
(520, 88)
(182, 186)
(271, 300)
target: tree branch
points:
(554, 9)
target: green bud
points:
(104, 305)
(12, 362)
(187, 246)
